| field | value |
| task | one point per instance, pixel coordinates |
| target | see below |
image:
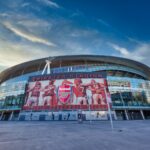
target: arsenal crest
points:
(65, 94)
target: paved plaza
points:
(33, 135)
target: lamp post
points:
(89, 100)
(109, 110)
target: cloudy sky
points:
(31, 29)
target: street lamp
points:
(109, 110)
(89, 101)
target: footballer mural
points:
(75, 91)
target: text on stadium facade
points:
(101, 74)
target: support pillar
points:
(18, 116)
(11, 116)
(141, 111)
(126, 114)
(1, 115)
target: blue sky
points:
(32, 29)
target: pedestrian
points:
(53, 116)
(68, 116)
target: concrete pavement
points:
(35, 135)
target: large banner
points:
(68, 91)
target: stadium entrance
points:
(146, 114)
(135, 115)
(132, 114)
(5, 116)
(9, 115)
(121, 115)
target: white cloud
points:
(15, 53)
(83, 33)
(25, 4)
(4, 14)
(39, 23)
(27, 36)
(75, 48)
(50, 3)
(140, 53)
(103, 22)
(134, 40)
(122, 50)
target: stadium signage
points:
(64, 93)
(119, 83)
(72, 75)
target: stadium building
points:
(58, 88)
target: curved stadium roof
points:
(70, 60)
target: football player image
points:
(97, 93)
(49, 93)
(27, 93)
(80, 92)
(33, 94)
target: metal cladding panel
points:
(38, 64)
(71, 75)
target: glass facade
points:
(12, 95)
(13, 102)
(125, 91)
(132, 92)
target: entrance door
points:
(134, 115)
(146, 114)
(15, 115)
(6, 116)
(120, 115)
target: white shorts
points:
(82, 100)
(47, 99)
(32, 101)
(97, 98)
